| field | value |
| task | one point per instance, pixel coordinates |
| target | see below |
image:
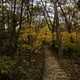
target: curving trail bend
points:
(53, 70)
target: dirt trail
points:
(53, 70)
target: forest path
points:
(53, 70)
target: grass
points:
(6, 63)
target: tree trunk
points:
(57, 29)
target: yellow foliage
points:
(44, 34)
(69, 39)
(67, 36)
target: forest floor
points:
(60, 68)
(44, 64)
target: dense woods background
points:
(28, 27)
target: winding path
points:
(53, 70)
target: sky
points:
(49, 7)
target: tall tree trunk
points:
(3, 26)
(20, 23)
(13, 31)
(57, 29)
